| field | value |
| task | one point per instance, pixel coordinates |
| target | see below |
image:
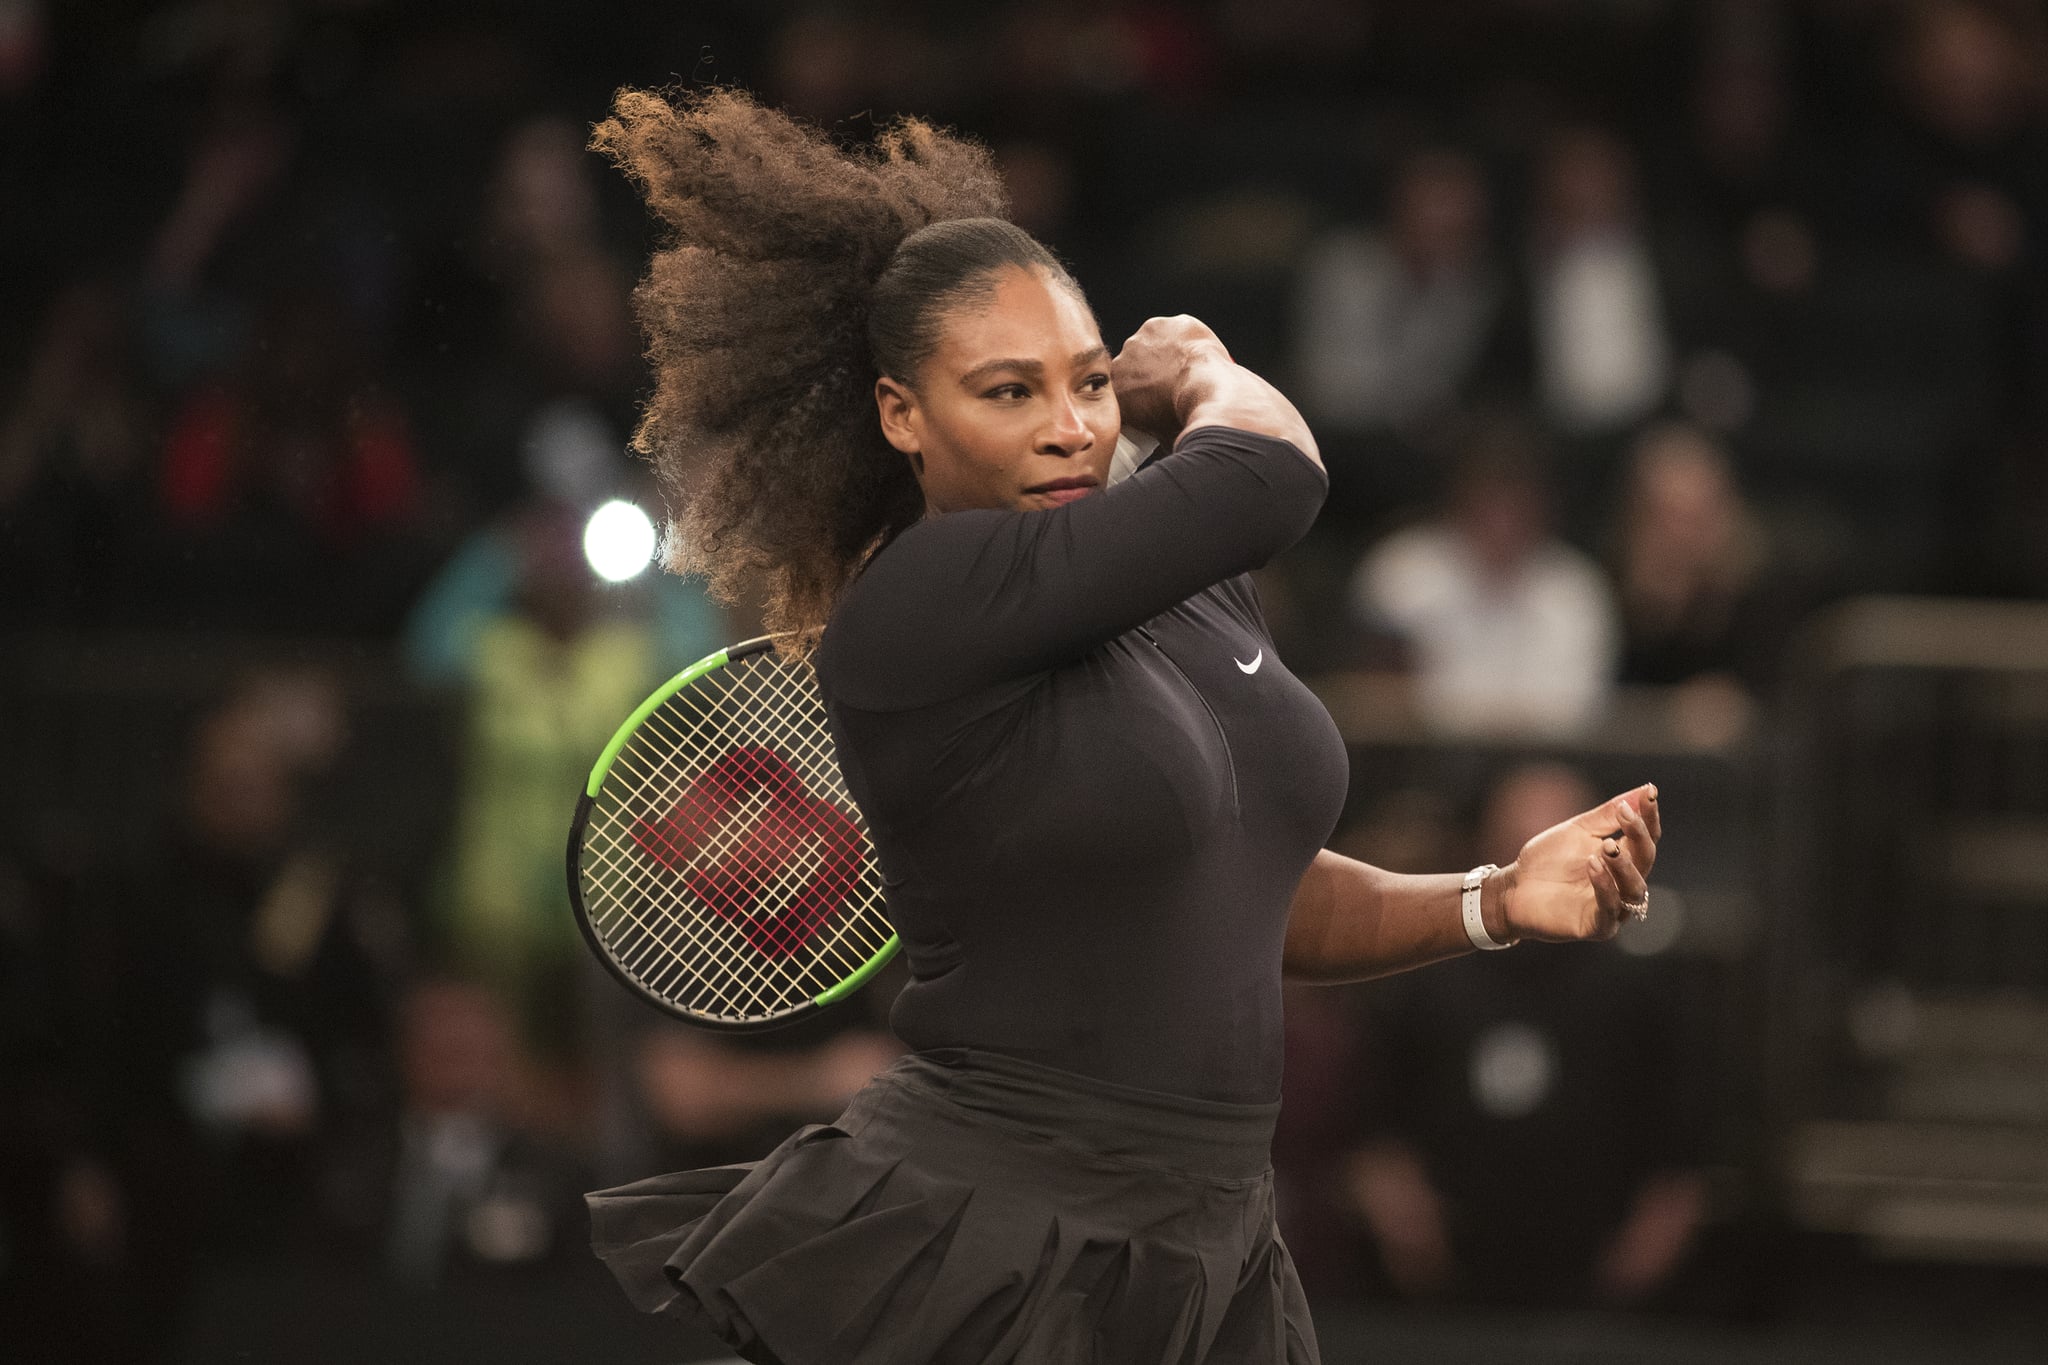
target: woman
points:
(1096, 795)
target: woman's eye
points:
(1095, 383)
(1007, 391)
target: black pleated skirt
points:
(971, 1209)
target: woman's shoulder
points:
(915, 561)
(886, 607)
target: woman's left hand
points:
(1580, 879)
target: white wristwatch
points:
(1468, 905)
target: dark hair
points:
(936, 270)
(794, 273)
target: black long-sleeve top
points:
(1091, 785)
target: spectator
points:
(1485, 1070)
(541, 201)
(64, 1254)
(300, 430)
(206, 257)
(1972, 79)
(1753, 211)
(1705, 602)
(1392, 323)
(473, 1184)
(531, 312)
(1602, 354)
(254, 956)
(566, 294)
(1508, 630)
(550, 661)
(293, 476)
(73, 456)
(1406, 830)
(1040, 179)
(1392, 327)
(1969, 175)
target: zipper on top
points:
(1229, 758)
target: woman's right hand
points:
(1163, 371)
(1174, 374)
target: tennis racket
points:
(717, 865)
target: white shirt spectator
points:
(1379, 346)
(1532, 651)
(1392, 321)
(1603, 359)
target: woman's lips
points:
(1062, 491)
(1071, 493)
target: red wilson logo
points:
(751, 841)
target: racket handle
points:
(1133, 448)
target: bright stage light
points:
(618, 541)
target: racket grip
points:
(1133, 448)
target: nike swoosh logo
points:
(1251, 667)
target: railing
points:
(1908, 1071)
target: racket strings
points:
(725, 867)
(673, 946)
(794, 824)
(772, 842)
(704, 945)
(865, 936)
(666, 942)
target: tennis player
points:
(1097, 796)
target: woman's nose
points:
(1068, 433)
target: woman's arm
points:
(1351, 921)
(970, 598)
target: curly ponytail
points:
(794, 272)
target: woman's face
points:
(1014, 407)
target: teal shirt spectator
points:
(548, 662)
(481, 582)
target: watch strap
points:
(1469, 907)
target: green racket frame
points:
(585, 922)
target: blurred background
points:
(1680, 372)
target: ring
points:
(1638, 910)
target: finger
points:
(1653, 814)
(1634, 885)
(1606, 896)
(1640, 844)
(1605, 818)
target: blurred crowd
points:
(1632, 333)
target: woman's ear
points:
(896, 406)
